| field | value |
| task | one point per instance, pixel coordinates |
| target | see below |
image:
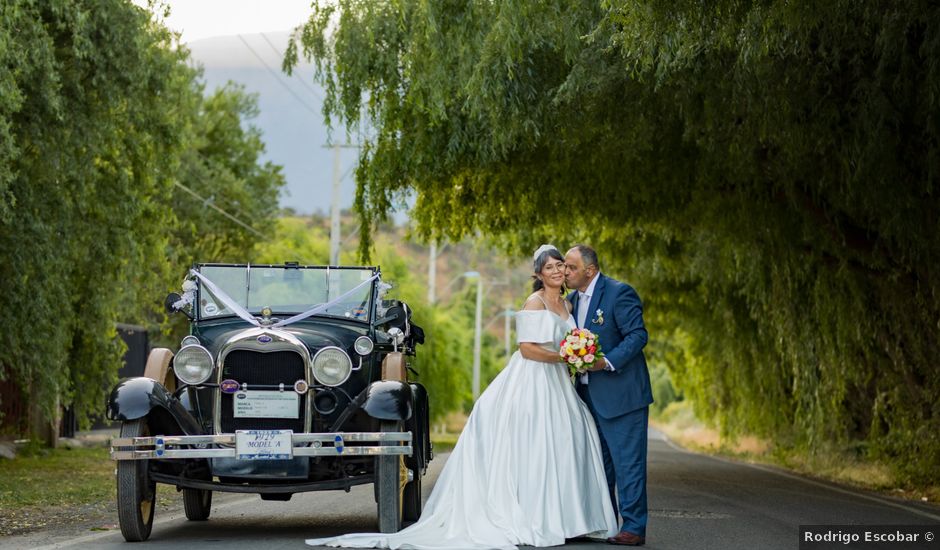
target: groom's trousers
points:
(623, 442)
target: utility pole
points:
(335, 240)
(334, 209)
(477, 333)
(508, 314)
(432, 274)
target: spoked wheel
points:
(136, 492)
(390, 478)
(197, 503)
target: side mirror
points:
(170, 304)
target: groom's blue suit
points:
(620, 399)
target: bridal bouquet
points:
(580, 350)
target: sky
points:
(294, 140)
(198, 19)
(243, 41)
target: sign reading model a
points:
(263, 444)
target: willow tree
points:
(100, 117)
(764, 172)
(94, 109)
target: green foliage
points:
(765, 173)
(100, 117)
(93, 123)
(222, 164)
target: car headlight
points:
(331, 366)
(363, 345)
(189, 341)
(193, 364)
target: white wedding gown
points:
(527, 468)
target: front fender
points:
(135, 398)
(388, 400)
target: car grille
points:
(254, 368)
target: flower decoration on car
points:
(189, 295)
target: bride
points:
(527, 469)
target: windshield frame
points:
(326, 269)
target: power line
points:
(299, 78)
(277, 76)
(208, 202)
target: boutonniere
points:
(598, 317)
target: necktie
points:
(584, 302)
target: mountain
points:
(290, 118)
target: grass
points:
(445, 432)
(53, 477)
(443, 442)
(834, 464)
(46, 487)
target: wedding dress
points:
(527, 468)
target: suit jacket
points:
(622, 336)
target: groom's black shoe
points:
(626, 538)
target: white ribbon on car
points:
(323, 307)
(244, 314)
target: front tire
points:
(411, 499)
(420, 432)
(136, 492)
(388, 485)
(197, 503)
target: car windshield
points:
(287, 290)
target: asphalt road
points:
(696, 502)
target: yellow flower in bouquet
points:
(580, 349)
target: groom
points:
(618, 391)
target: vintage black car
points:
(293, 378)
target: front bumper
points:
(223, 445)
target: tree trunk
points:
(41, 427)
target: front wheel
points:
(197, 503)
(388, 484)
(411, 498)
(136, 492)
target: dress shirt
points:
(584, 303)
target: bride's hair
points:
(539, 264)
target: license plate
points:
(266, 404)
(263, 444)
